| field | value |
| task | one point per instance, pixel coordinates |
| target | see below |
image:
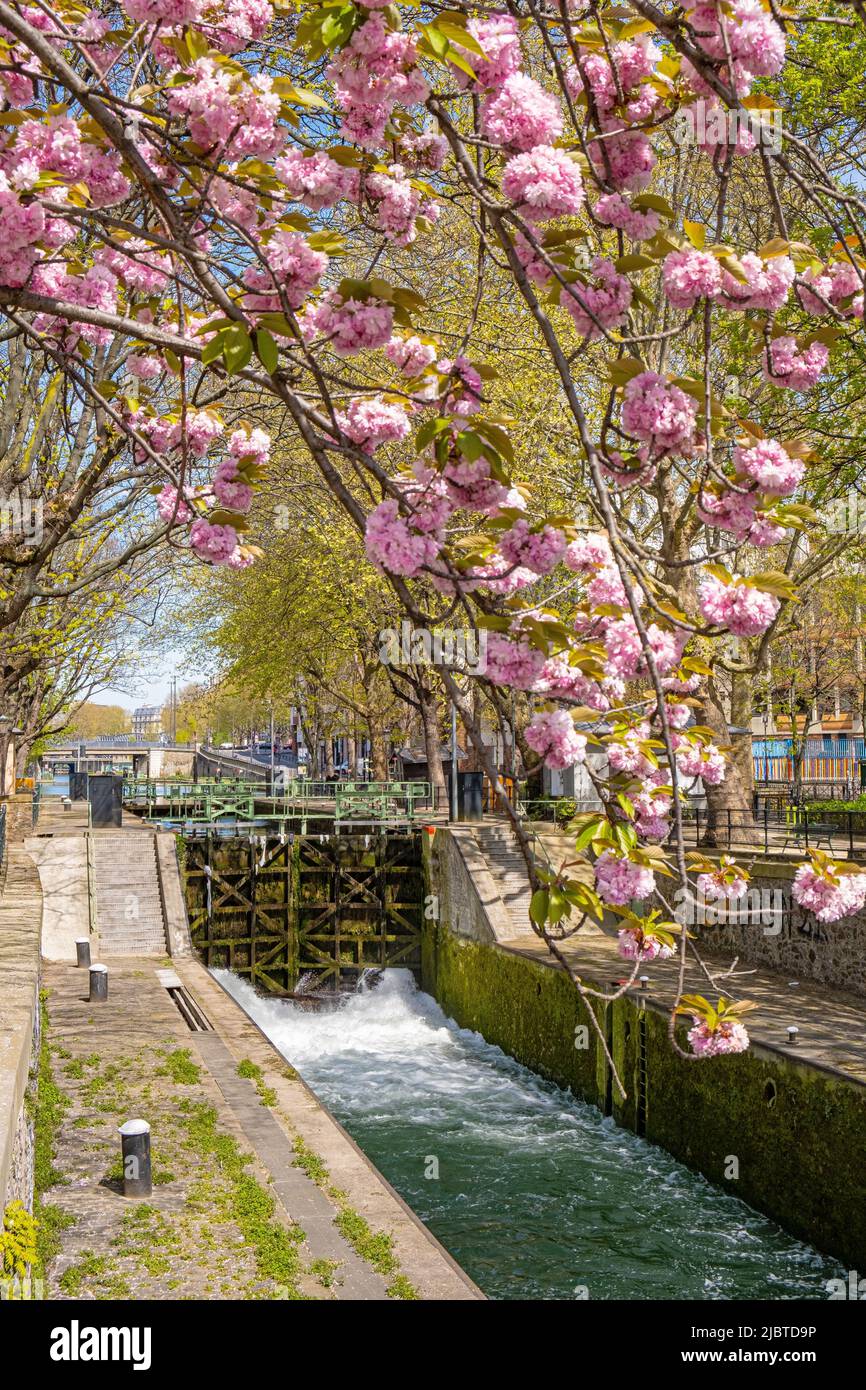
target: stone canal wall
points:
(796, 1132)
(20, 927)
(778, 1132)
(793, 941)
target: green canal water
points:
(533, 1192)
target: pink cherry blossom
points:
(392, 546)
(701, 760)
(498, 37)
(138, 265)
(539, 550)
(767, 283)
(601, 303)
(352, 325)
(846, 284)
(373, 72)
(471, 485)
(658, 412)
(543, 183)
(745, 611)
(370, 421)
(716, 887)
(615, 211)
(410, 355)
(787, 365)
(213, 543)
(634, 944)
(230, 489)
(164, 11)
(624, 157)
(619, 881)
(727, 1037)
(770, 467)
(521, 114)
(689, 276)
(252, 445)
(315, 179)
(172, 509)
(398, 205)
(553, 735)
(512, 662)
(738, 512)
(293, 268)
(588, 553)
(829, 901)
(240, 121)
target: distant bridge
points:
(141, 758)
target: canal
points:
(533, 1192)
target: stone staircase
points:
(498, 845)
(125, 878)
(501, 851)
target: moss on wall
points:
(798, 1134)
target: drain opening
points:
(189, 1008)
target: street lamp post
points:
(7, 723)
(453, 761)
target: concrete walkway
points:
(832, 1022)
(62, 864)
(133, 1057)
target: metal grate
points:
(187, 1006)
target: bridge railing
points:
(381, 802)
(211, 800)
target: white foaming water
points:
(536, 1194)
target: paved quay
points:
(234, 1132)
(832, 1022)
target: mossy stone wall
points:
(797, 1134)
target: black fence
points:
(774, 829)
(784, 830)
(810, 789)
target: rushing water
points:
(537, 1195)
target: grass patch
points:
(377, 1248)
(88, 1267)
(325, 1271)
(313, 1166)
(51, 1106)
(274, 1246)
(181, 1068)
(251, 1071)
(401, 1288)
(148, 1237)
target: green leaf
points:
(538, 906)
(633, 262)
(212, 350)
(623, 369)
(237, 349)
(696, 233)
(266, 350)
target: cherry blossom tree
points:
(179, 181)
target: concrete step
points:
(125, 878)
